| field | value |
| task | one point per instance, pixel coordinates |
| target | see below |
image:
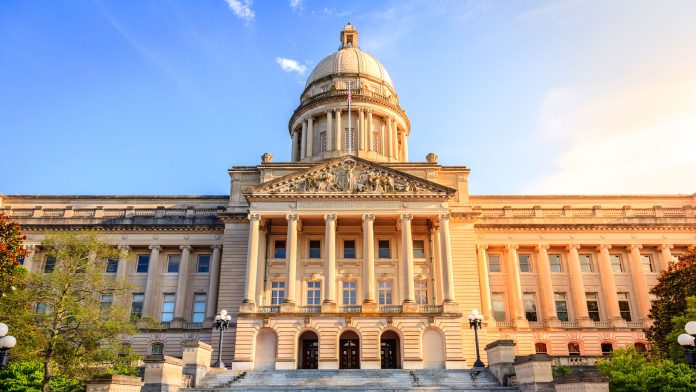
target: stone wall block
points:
(196, 358)
(114, 383)
(162, 374)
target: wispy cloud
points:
(333, 12)
(296, 5)
(290, 65)
(242, 8)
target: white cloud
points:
(296, 5)
(242, 8)
(290, 65)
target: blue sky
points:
(161, 97)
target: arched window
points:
(607, 348)
(640, 347)
(541, 348)
(573, 349)
(157, 349)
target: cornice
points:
(585, 226)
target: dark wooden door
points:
(350, 354)
(388, 354)
(310, 354)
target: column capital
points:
(123, 247)
(482, 247)
(572, 246)
(632, 247)
(185, 247)
(601, 247)
(330, 217)
(216, 246)
(291, 217)
(665, 246)
(442, 217)
(155, 247)
(254, 217)
(337, 110)
(539, 247)
(406, 217)
(368, 217)
(512, 246)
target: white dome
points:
(349, 60)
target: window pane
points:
(385, 293)
(525, 266)
(593, 306)
(277, 293)
(555, 263)
(607, 348)
(168, 307)
(529, 306)
(384, 252)
(585, 263)
(421, 292)
(173, 264)
(143, 262)
(498, 300)
(349, 293)
(315, 249)
(157, 349)
(50, 265)
(418, 249)
(573, 349)
(540, 348)
(349, 249)
(494, 263)
(203, 263)
(199, 302)
(279, 249)
(646, 262)
(616, 265)
(137, 305)
(624, 306)
(561, 306)
(111, 266)
(313, 293)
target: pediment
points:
(350, 176)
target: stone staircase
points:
(364, 380)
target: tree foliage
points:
(11, 252)
(631, 371)
(671, 292)
(27, 377)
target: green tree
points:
(630, 371)
(84, 310)
(11, 252)
(27, 376)
(676, 352)
(671, 291)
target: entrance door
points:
(350, 351)
(309, 356)
(389, 350)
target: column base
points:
(586, 323)
(328, 307)
(410, 307)
(370, 307)
(619, 323)
(287, 307)
(522, 324)
(554, 324)
(248, 307)
(177, 323)
(450, 307)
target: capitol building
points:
(354, 254)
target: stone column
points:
(310, 137)
(329, 132)
(609, 286)
(361, 130)
(330, 260)
(252, 259)
(640, 284)
(122, 271)
(261, 268)
(405, 146)
(213, 282)
(28, 259)
(384, 138)
(394, 139)
(303, 146)
(437, 261)
(515, 288)
(666, 255)
(370, 147)
(339, 131)
(446, 250)
(182, 283)
(293, 153)
(407, 249)
(369, 255)
(152, 278)
(577, 287)
(546, 286)
(291, 257)
(390, 144)
(486, 303)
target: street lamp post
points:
(222, 321)
(6, 344)
(476, 322)
(688, 341)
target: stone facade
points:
(350, 255)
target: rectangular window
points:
(616, 264)
(385, 293)
(418, 249)
(349, 249)
(530, 310)
(593, 306)
(421, 292)
(647, 263)
(384, 251)
(277, 293)
(349, 293)
(313, 293)
(561, 306)
(137, 305)
(493, 263)
(106, 301)
(586, 263)
(525, 264)
(173, 262)
(498, 301)
(143, 263)
(50, 265)
(203, 264)
(111, 266)
(555, 263)
(624, 306)
(314, 249)
(199, 302)
(279, 249)
(322, 141)
(168, 301)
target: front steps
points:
(363, 380)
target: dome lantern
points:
(349, 36)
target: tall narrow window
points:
(50, 265)
(616, 264)
(143, 263)
(418, 249)
(574, 349)
(493, 263)
(555, 263)
(586, 263)
(157, 349)
(168, 301)
(277, 293)
(313, 293)
(530, 310)
(349, 249)
(106, 301)
(322, 141)
(647, 263)
(279, 249)
(173, 262)
(593, 306)
(137, 305)
(199, 301)
(421, 287)
(607, 348)
(349, 293)
(561, 306)
(385, 293)
(203, 265)
(384, 251)
(111, 266)
(624, 306)
(314, 249)
(525, 264)
(498, 301)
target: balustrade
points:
(391, 309)
(268, 309)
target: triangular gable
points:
(349, 176)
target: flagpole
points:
(350, 131)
